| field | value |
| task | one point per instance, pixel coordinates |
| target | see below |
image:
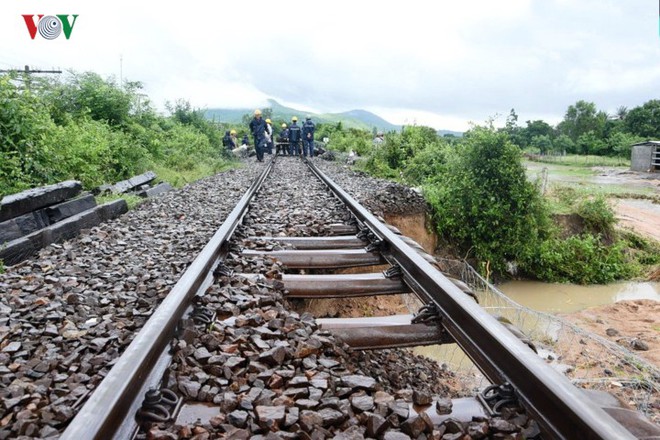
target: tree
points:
(564, 144)
(538, 128)
(622, 112)
(542, 142)
(644, 121)
(88, 94)
(516, 133)
(582, 118)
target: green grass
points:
(179, 179)
(584, 160)
(131, 200)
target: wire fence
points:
(588, 360)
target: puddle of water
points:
(568, 298)
(189, 413)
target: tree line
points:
(587, 130)
(92, 129)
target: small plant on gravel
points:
(2, 266)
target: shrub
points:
(581, 259)
(484, 203)
(597, 215)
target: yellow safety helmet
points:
(257, 112)
(294, 119)
(232, 132)
(283, 125)
(268, 121)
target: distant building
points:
(645, 156)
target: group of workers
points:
(288, 141)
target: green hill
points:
(360, 119)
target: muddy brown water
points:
(537, 295)
(569, 298)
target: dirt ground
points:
(629, 322)
(642, 217)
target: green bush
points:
(581, 259)
(597, 215)
(484, 202)
(88, 128)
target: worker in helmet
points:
(258, 129)
(269, 136)
(283, 140)
(294, 137)
(233, 140)
(308, 136)
(226, 141)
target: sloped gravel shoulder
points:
(380, 196)
(66, 314)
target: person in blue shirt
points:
(294, 137)
(308, 137)
(258, 129)
(283, 141)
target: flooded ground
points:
(569, 298)
(606, 179)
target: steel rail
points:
(560, 408)
(103, 414)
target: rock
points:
(358, 382)
(189, 388)
(395, 435)
(453, 426)
(331, 417)
(273, 357)
(362, 403)
(415, 426)
(309, 420)
(376, 425)
(159, 434)
(307, 403)
(612, 332)
(12, 347)
(238, 418)
(443, 406)
(477, 430)
(501, 425)
(270, 417)
(422, 398)
(400, 409)
(638, 344)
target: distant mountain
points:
(453, 133)
(360, 119)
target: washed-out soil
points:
(631, 324)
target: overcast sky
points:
(442, 63)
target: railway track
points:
(224, 336)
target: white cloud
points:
(442, 65)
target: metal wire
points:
(589, 360)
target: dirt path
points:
(626, 323)
(639, 215)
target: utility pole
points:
(27, 72)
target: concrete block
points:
(69, 208)
(23, 225)
(133, 182)
(159, 189)
(36, 198)
(22, 248)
